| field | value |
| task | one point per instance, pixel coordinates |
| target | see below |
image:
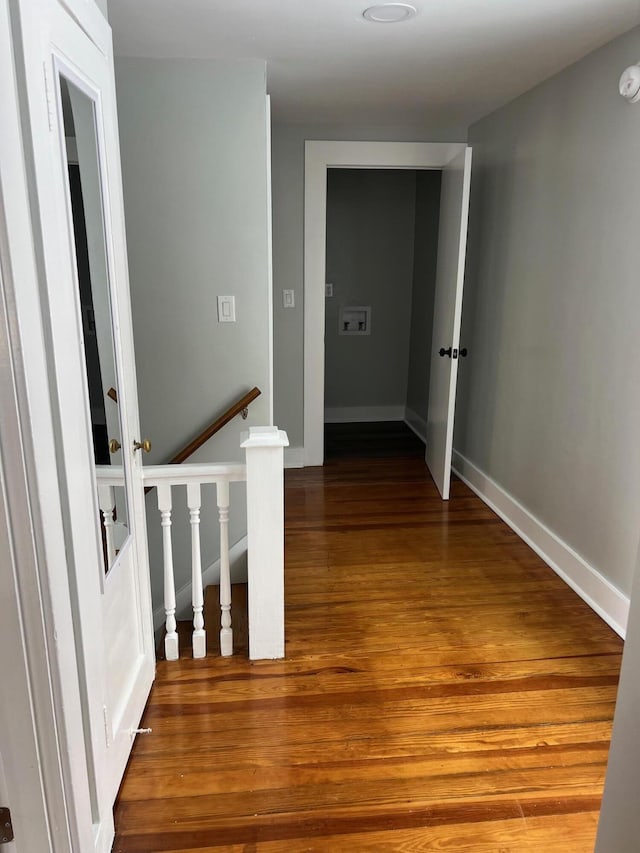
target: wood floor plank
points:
(553, 834)
(443, 690)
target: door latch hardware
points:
(6, 827)
(444, 352)
(454, 354)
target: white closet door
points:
(452, 246)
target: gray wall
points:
(619, 828)
(288, 244)
(423, 292)
(549, 397)
(370, 230)
(193, 146)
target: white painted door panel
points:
(452, 244)
(71, 95)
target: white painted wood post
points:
(226, 632)
(171, 647)
(199, 637)
(265, 533)
(106, 502)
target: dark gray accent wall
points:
(370, 232)
(288, 247)
(423, 291)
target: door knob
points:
(463, 352)
(444, 352)
(114, 445)
(145, 445)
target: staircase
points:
(250, 617)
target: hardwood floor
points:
(443, 690)
(371, 440)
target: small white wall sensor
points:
(630, 84)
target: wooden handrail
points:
(196, 443)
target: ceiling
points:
(451, 64)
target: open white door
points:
(447, 314)
(68, 67)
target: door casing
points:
(320, 156)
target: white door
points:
(447, 314)
(71, 102)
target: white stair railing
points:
(263, 473)
(165, 478)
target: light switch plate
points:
(288, 299)
(226, 309)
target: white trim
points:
(294, 457)
(269, 254)
(211, 575)
(319, 156)
(601, 595)
(415, 423)
(363, 414)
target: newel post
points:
(264, 448)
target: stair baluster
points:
(194, 501)
(106, 502)
(171, 645)
(226, 632)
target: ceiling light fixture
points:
(390, 13)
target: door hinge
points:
(47, 89)
(6, 827)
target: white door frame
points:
(320, 156)
(43, 750)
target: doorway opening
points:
(454, 160)
(381, 254)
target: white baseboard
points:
(601, 595)
(211, 575)
(416, 423)
(294, 457)
(363, 414)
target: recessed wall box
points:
(355, 320)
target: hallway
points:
(443, 689)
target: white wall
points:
(370, 231)
(288, 247)
(193, 145)
(549, 397)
